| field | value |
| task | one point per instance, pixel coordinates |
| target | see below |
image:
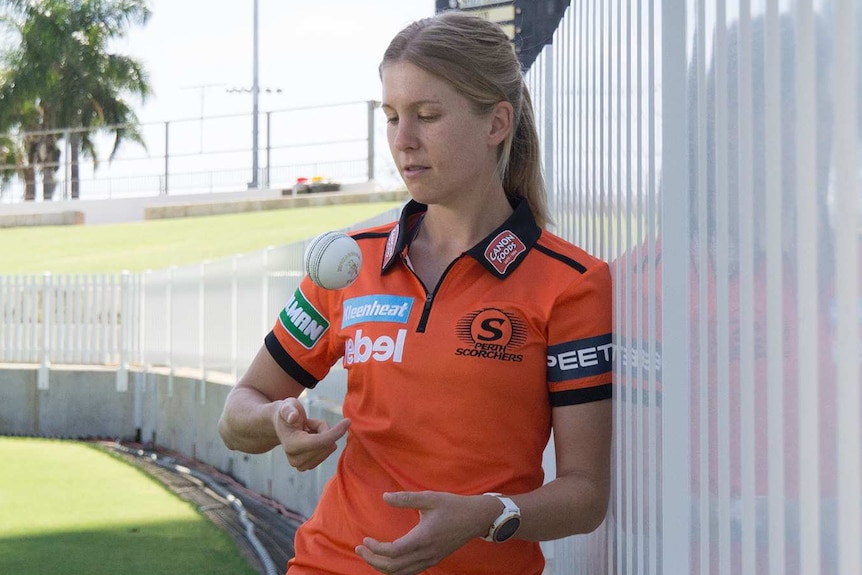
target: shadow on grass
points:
(160, 548)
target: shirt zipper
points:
(429, 296)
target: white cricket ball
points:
(332, 260)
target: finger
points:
(316, 425)
(338, 430)
(321, 425)
(391, 560)
(407, 544)
(309, 443)
(409, 499)
(380, 548)
(382, 564)
(320, 429)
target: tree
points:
(59, 80)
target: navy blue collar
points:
(501, 252)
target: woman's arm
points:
(262, 412)
(577, 500)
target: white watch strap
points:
(510, 508)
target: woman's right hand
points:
(306, 442)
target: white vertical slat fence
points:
(68, 319)
(709, 150)
(210, 316)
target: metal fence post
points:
(268, 149)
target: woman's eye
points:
(391, 119)
(428, 117)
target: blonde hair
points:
(477, 59)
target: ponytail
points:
(522, 165)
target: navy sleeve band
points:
(287, 363)
(578, 396)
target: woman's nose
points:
(405, 135)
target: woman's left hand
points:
(446, 523)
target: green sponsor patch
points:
(303, 321)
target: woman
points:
(468, 336)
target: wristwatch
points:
(507, 523)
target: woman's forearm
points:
(566, 506)
(246, 424)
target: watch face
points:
(507, 529)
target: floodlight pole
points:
(255, 91)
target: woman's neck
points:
(445, 233)
(456, 229)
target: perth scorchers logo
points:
(492, 334)
(503, 250)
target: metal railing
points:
(201, 155)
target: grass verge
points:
(68, 507)
(156, 244)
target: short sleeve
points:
(580, 343)
(301, 341)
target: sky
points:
(194, 52)
(198, 56)
(314, 51)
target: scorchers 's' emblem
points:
(491, 333)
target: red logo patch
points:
(503, 250)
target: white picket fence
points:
(211, 316)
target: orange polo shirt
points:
(448, 389)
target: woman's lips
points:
(413, 171)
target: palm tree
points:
(19, 153)
(61, 68)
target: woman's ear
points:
(501, 123)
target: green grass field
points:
(156, 244)
(71, 508)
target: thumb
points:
(409, 499)
(292, 412)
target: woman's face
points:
(442, 148)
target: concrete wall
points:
(78, 403)
(60, 218)
(179, 411)
(198, 209)
(119, 210)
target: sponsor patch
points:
(302, 320)
(362, 349)
(491, 333)
(580, 358)
(504, 250)
(378, 307)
